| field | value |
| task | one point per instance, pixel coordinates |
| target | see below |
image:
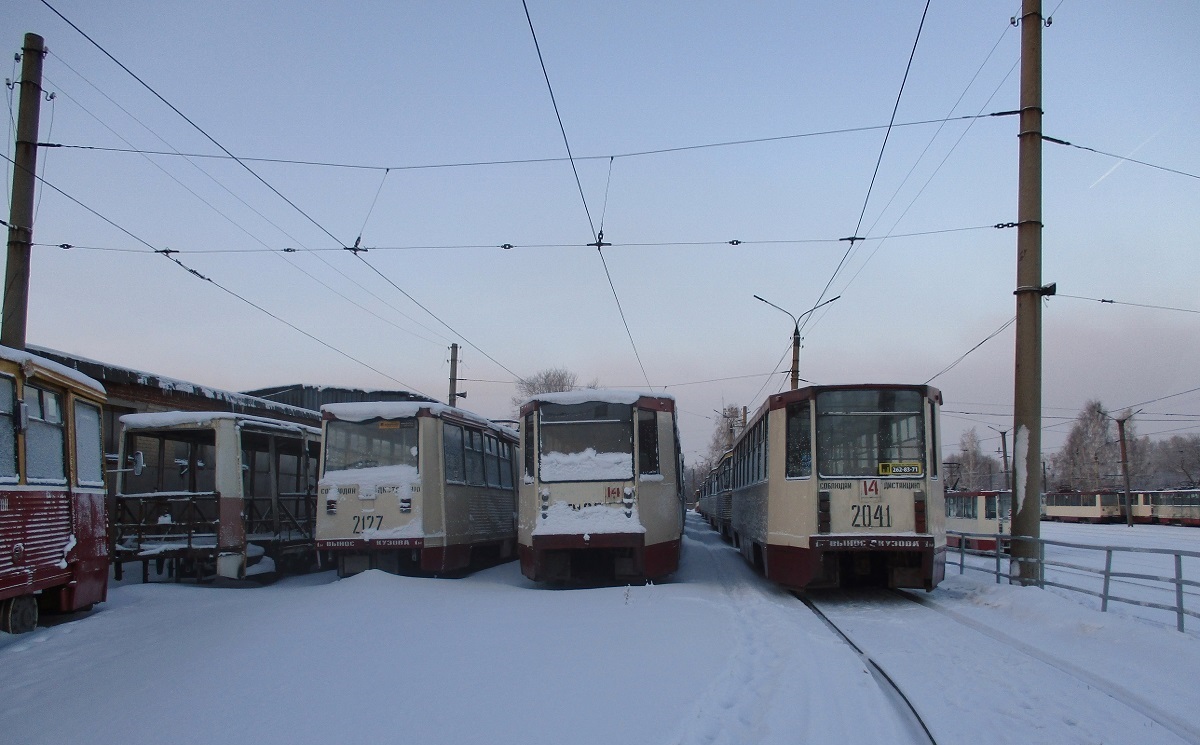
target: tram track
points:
(891, 690)
(1119, 693)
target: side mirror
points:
(139, 463)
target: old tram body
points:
(415, 486)
(839, 485)
(209, 494)
(601, 498)
(53, 545)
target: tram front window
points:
(870, 433)
(586, 442)
(373, 444)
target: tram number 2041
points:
(871, 515)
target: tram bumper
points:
(900, 561)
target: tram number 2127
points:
(871, 515)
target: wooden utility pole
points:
(1027, 398)
(796, 357)
(453, 398)
(20, 215)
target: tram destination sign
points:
(871, 543)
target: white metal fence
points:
(1145, 577)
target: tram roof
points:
(171, 419)
(361, 411)
(24, 358)
(598, 395)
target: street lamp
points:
(796, 334)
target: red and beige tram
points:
(987, 513)
(839, 485)
(414, 486)
(601, 500)
(53, 543)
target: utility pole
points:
(1125, 470)
(1004, 455)
(796, 334)
(20, 215)
(1027, 399)
(796, 358)
(453, 398)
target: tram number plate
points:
(871, 515)
(367, 522)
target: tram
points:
(415, 487)
(601, 498)
(53, 548)
(985, 512)
(208, 494)
(839, 485)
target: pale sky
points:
(393, 85)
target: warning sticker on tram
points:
(900, 469)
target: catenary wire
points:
(887, 133)
(231, 155)
(233, 222)
(1134, 305)
(532, 161)
(1056, 141)
(166, 253)
(598, 236)
(988, 338)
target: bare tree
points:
(976, 470)
(1091, 455)
(550, 380)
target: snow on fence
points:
(1069, 560)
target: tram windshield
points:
(586, 442)
(371, 444)
(870, 433)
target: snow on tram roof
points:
(26, 358)
(361, 411)
(154, 420)
(598, 395)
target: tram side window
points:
(648, 442)
(799, 441)
(506, 466)
(474, 450)
(89, 451)
(491, 460)
(530, 450)
(8, 431)
(45, 438)
(452, 448)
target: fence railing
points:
(1062, 570)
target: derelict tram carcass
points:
(53, 547)
(601, 498)
(840, 485)
(415, 486)
(209, 494)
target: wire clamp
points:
(1043, 291)
(506, 246)
(735, 242)
(599, 243)
(356, 249)
(165, 251)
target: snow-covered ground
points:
(717, 655)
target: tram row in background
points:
(989, 513)
(412, 485)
